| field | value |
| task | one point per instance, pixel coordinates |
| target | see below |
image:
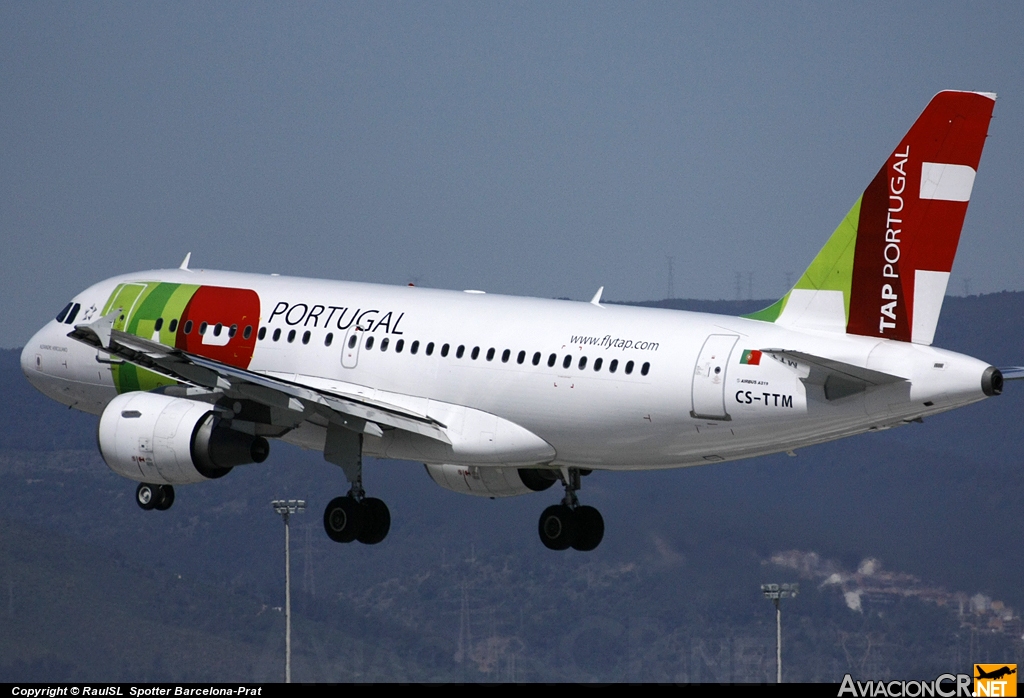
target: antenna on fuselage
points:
(596, 300)
(184, 262)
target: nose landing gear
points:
(570, 525)
(159, 497)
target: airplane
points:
(995, 673)
(193, 371)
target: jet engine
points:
(491, 481)
(159, 439)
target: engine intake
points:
(165, 440)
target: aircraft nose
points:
(31, 362)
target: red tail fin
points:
(910, 220)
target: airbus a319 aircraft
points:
(192, 371)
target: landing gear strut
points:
(159, 497)
(570, 525)
(353, 516)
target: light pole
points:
(287, 507)
(776, 592)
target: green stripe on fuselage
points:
(143, 303)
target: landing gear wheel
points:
(165, 498)
(376, 521)
(147, 496)
(343, 519)
(557, 527)
(589, 528)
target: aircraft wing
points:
(355, 412)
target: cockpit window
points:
(73, 314)
(64, 313)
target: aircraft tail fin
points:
(883, 273)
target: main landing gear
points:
(570, 525)
(357, 517)
(159, 497)
(354, 516)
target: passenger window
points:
(645, 368)
(536, 358)
(277, 334)
(504, 356)
(521, 358)
(64, 313)
(490, 354)
(328, 339)
(202, 328)
(583, 362)
(597, 363)
(399, 345)
(430, 349)
(476, 353)
(352, 341)
(444, 350)
(567, 361)
(247, 332)
(216, 329)
(233, 330)
(384, 344)
(629, 367)
(613, 365)
(551, 360)
(460, 351)
(173, 326)
(291, 336)
(262, 334)
(188, 327)
(158, 324)
(414, 347)
(369, 342)
(305, 337)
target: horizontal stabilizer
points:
(839, 379)
(1012, 373)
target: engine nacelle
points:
(491, 481)
(164, 440)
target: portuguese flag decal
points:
(751, 356)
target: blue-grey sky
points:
(527, 148)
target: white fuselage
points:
(678, 411)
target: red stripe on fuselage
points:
(225, 306)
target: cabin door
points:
(708, 392)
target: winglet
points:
(596, 300)
(184, 262)
(97, 333)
